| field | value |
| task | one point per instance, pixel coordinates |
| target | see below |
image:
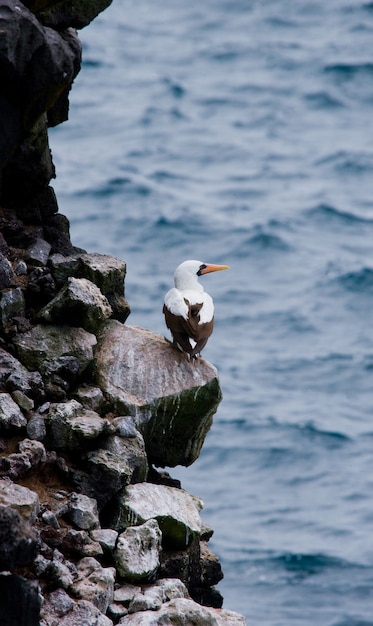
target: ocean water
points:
(240, 132)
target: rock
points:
(53, 349)
(106, 537)
(211, 572)
(6, 272)
(74, 428)
(60, 573)
(108, 470)
(78, 542)
(50, 518)
(79, 303)
(176, 511)
(125, 426)
(58, 603)
(38, 252)
(11, 417)
(105, 271)
(183, 612)
(148, 600)
(137, 551)
(172, 400)
(126, 593)
(61, 15)
(18, 378)
(12, 304)
(90, 397)
(23, 500)
(20, 601)
(24, 403)
(95, 583)
(116, 611)
(82, 613)
(36, 427)
(82, 511)
(18, 541)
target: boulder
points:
(18, 541)
(176, 511)
(109, 468)
(20, 601)
(94, 583)
(64, 13)
(56, 350)
(82, 511)
(22, 499)
(171, 399)
(137, 551)
(105, 271)
(11, 416)
(74, 428)
(12, 304)
(78, 303)
(106, 537)
(82, 612)
(183, 612)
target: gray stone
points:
(73, 427)
(126, 593)
(6, 272)
(172, 588)
(11, 417)
(23, 401)
(18, 542)
(109, 469)
(172, 400)
(21, 268)
(137, 551)
(149, 600)
(79, 303)
(116, 611)
(59, 602)
(79, 542)
(125, 426)
(38, 252)
(36, 427)
(20, 379)
(82, 613)
(82, 511)
(90, 397)
(34, 450)
(176, 511)
(22, 499)
(12, 304)
(106, 537)
(43, 347)
(50, 519)
(95, 583)
(184, 612)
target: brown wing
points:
(184, 329)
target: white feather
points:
(175, 303)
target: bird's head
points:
(187, 273)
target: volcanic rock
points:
(172, 400)
(137, 551)
(176, 511)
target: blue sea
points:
(241, 132)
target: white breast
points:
(174, 301)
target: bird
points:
(188, 309)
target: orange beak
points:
(209, 267)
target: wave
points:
(330, 213)
(348, 161)
(358, 281)
(347, 70)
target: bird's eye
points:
(201, 268)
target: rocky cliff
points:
(90, 531)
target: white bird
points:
(188, 309)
